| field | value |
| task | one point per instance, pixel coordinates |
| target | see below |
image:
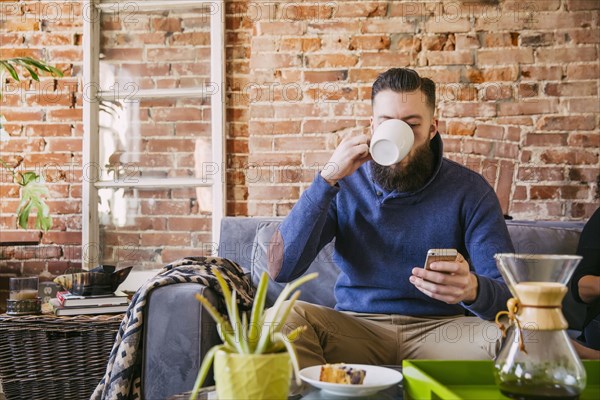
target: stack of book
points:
(67, 303)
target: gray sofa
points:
(178, 331)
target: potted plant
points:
(253, 346)
(32, 188)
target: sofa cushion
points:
(318, 291)
(545, 237)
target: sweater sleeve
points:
(306, 230)
(486, 234)
(589, 249)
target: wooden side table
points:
(54, 358)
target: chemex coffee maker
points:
(537, 360)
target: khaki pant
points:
(334, 336)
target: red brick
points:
(566, 123)
(544, 140)
(260, 209)
(165, 239)
(287, 28)
(275, 159)
(566, 54)
(520, 193)
(329, 27)
(449, 57)
(582, 104)
(544, 192)
(367, 9)
(489, 131)
(496, 91)
(378, 42)
(442, 75)
(574, 89)
(386, 59)
(330, 60)
(461, 128)
(538, 39)
(406, 42)
(479, 110)
(541, 174)
(270, 192)
(583, 71)
(186, 38)
(577, 5)
(325, 76)
(584, 140)
(572, 157)
(528, 90)
(583, 174)
(499, 39)
(388, 26)
(274, 127)
(505, 56)
(585, 36)
(467, 41)
(327, 126)
(529, 107)
(550, 73)
(583, 210)
(575, 192)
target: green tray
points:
(445, 380)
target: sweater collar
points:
(437, 146)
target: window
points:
(153, 165)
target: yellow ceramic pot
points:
(252, 376)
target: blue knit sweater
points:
(381, 236)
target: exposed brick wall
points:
(518, 92)
(45, 124)
(518, 102)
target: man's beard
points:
(409, 177)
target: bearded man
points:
(384, 220)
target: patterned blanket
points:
(122, 379)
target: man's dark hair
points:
(403, 80)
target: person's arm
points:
(585, 283)
(585, 353)
(589, 288)
(485, 235)
(479, 287)
(312, 222)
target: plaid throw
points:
(122, 379)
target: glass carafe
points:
(537, 359)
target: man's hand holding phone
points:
(446, 277)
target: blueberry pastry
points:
(341, 373)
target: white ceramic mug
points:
(391, 142)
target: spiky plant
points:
(261, 334)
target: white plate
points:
(376, 379)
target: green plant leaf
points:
(285, 293)
(32, 194)
(32, 72)
(237, 326)
(280, 338)
(204, 368)
(28, 177)
(23, 211)
(258, 308)
(11, 70)
(225, 330)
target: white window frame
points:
(91, 48)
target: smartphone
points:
(434, 255)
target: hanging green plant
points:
(32, 187)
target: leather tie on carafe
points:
(513, 307)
